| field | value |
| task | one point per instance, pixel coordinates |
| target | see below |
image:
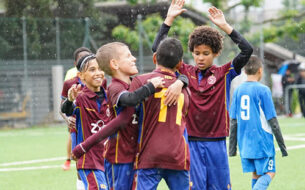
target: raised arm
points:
(218, 18)
(113, 126)
(175, 9)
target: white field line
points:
(293, 147)
(32, 161)
(289, 138)
(28, 168)
(297, 135)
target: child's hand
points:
(78, 152)
(74, 157)
(73, 92)
(218, 18)
(173, 93)
(71, 122)
(174, 10)
(158, 82)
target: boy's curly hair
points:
(206, 35)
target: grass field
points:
(31, 159)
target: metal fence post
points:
(140, 43)
(287, 94)
(25, 55)
(57, 40)
(87, 29)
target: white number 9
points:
(245, 106)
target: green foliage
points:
(41, 27)
(274, 33)
(217, 3)
(181, 29)
(249, 3)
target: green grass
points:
(36, 143)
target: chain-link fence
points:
(29, 47)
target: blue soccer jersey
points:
(252, 106)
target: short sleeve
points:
(267, 104)
(114, 92)
(228, 69)
(65, 88)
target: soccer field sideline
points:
(294, 137)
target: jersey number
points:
(163, 107)
(245, 107)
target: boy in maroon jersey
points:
(78, 53)
(207, 119)
(92, 113)
(162, 143)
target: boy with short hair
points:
(92, 113)
(162, 143)
(208, 119)
(253, 120)
(70, 79)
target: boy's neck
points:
(122, 77)
(253, 78)
(94, 89)
(166, 69)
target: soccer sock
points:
(253, 182)
(262, 182)
(80, 185)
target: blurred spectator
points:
(301, 80)
(288, 79)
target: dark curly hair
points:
(206, 35)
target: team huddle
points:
(171, 123)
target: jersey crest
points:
(211, 79)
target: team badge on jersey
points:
(211, 79)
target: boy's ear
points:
(81, 76)
(155, 58)
(113, 64)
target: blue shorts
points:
(148, 179)
(93, 179)
(119, 176)
(209, 165)
(260, 166)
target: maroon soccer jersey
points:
(120, 147)
(209, 100)
(91, 115)
(162, 141)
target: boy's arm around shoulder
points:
(109, 129)
(233, 138)
(138, 95)
(276, 130)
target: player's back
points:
(162, 141)
(253, 107)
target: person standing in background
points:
(301, 80)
